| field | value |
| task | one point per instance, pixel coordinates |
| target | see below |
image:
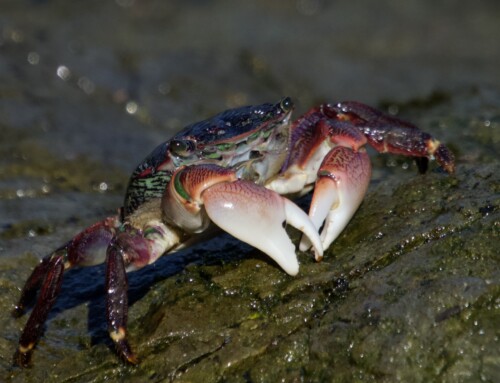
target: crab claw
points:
(342, 181)
(256, 216)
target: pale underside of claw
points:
(342, 182)
(256, 216)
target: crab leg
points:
(117, 301)
(343, 179)
(50, 288)
(131, 249)
(86, 248)
(32, 286)
(388, 134)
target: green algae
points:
(27, 160)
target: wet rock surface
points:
(409, 292)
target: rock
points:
(409, 291)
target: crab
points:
(236, 172)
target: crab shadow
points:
(87, 285)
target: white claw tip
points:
(318, 257)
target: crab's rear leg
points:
(388, 134)
(52, 270)
(86, 248)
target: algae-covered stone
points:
(409, 292)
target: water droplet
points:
(391, 163)
(393, 110)
(164, 88)
(16, 36)
(131, 107)
(33, 58)
(86, 85)
(63, 72)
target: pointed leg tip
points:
(445, 158)
(132, 360)
(22, 359)
(127, 355)
(123, 348)
(450, 168)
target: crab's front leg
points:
(200, 194)
(131, 249)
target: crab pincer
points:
(256, 216)
(209, 193)
(343, 178)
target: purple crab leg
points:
(32, 286)
(131, 249)
(49, 290)
(117, 301)
(392, 135)
(86, 248)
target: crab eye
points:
(181, 148)
(286, 104)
